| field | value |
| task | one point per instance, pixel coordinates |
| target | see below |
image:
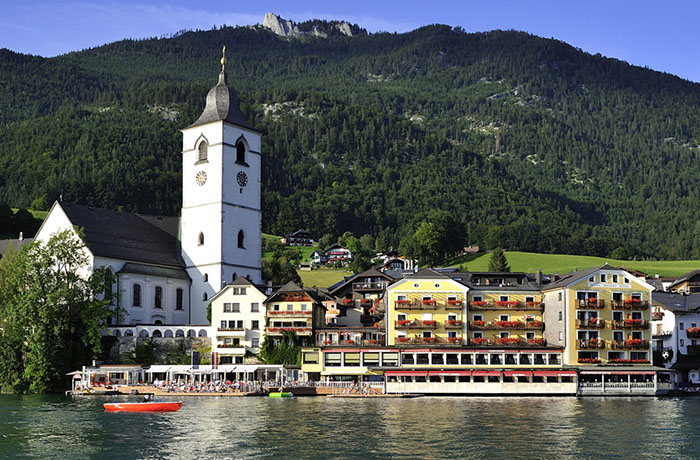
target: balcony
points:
(630, 304)
(631, 324)
(592, 323)
(450, 341)
(657, 316)
(693, 332)
(505, 305)
(659, 334)
(590, 344)
(280, 330)
(454, 324)
(368, 286)
(416, 324)
(230, 348)
(501, 325)
(290, 313)
(631, 344)
(591, 303)
(230, 332)
(345, 343)
(415, 305)
(506, 342)
(453, 304)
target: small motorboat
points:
(150, 406)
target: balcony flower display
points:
(633, 342)
(507, 324)
(693, 330)
(404, 322)
(454, 322)
(592, 300)
(535, 341)
(429, 322)
(403, 339)
(508, 341)
(534, 323)
(589, 360)
(429, 339)
(403, 301)
(633, 301)
(533, 304)
(347, 301)
(633, 322)
(373, 341)
(478, 323)
(657, 316)
(454, 302)
(628, 361)
(327, 342)
(429, 302)
(478, 303)
(480, 341)
(454, 339)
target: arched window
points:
(136, 295)
(206, 277)
(200, 239)
(241, 238)
(240, 152)
(159, 297)
(205, 297)
(202, 154)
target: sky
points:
(661, 35)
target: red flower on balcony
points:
(508, 341)
(404, 322)
(532, 304)
(535, 341)
(589, 360)
(326, 342)
(428, 302)
(454, 339)
(633, 301)
(403, 301)
(502, 303)
(633, 322)
(373, 341)
(592, 300)
(507, 324)
(478, 303)
(429, 322)
(347, 301)
(478, 323)
(693, 330)
(535, 323)
(429, 339)
(480, 341)
(403, 339)
(454, 302)
(633, 342)
(454, 322)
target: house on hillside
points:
(338, 254)
(676, 334)
(299, 238)
(688, 283)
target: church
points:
(167, 268)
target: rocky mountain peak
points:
(313, 28)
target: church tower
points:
(221, 217)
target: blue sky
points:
(664, 36)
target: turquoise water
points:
(51, 427)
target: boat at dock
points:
(151, 406)
(285, 394)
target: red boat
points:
(151, 406)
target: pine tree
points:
(498, 262)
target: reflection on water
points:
(326, 428)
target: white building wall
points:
(245, 314)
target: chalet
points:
(299, 238)
(338, 254)
(688, 283)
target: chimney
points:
(538, 277)
(21, 236)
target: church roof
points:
(127, 236)
(153, 270)
(222, 105)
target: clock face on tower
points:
(242, 179)
(201, 178)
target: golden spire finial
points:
(223, 58)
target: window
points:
(681, 326)
(255, 324)
(614, 278)
(477, 298)
(602, 277)
(560, 297)
(304, 307)
(591, 279)
(401, 317)
(311, 358)
(159, 297)
(561, 336)
(290, 307)
(478, 335)
(390, 359)
(227, 308)
(239, 324)
(332, 359)
(370, 359)
(206, 277)
(200, 239)
(503, 298)
(529, 299)
(236, 307)
(202, 152)
(276, 307)
(178, 298)
(254, 307)
(504, 318)
(136, 295)
(223, 324)
(241, 237)
(561, 315)
(240, 152)
(478, 317)
(205, 296)
(682, 342)
(352, 359)
(626, 280)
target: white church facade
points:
(168, 268)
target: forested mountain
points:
(528, 143)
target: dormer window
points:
(202, 151)
(200, 239)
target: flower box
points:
(633, 301)
(633, 342)
(508, 341)
(589, 360)
(480, 341)
(429, 322)
(507, 324)
(535, 341)
(478, 323)
(429, 339)
(404, 322)
(479, 303)
(403, 302)
(592, 300)
(454, 302)
(634, 322)
(428, 302)
(454, 322)
(454, 339)
(372, 341)
(346, 301)
(403, 339)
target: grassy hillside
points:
(322, 278)
(563, 263)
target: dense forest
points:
(527, 143)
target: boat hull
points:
(143, 407)
(281, 395)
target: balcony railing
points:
(231, 345)
(454, 304)
(631, 324)
(416, 305)
(591, 303)
(631, 344)
(629, 304)
(290, 313)
(368, 286)
(231, 329)
(505, 305)
(416, 324)
(501, 325)
(280, 330)
(506, 342)
(657, 315)
(693, 332)
(454, 324)
(344, 343)
(659, 334)
(593, 323)
(449, 341)
(591, 344)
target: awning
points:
(553, 373)
(517, 373)
(485, 373)
(618, 372)
(346, 371)
(158, 369)
(455, 373)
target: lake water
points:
(52, 427)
